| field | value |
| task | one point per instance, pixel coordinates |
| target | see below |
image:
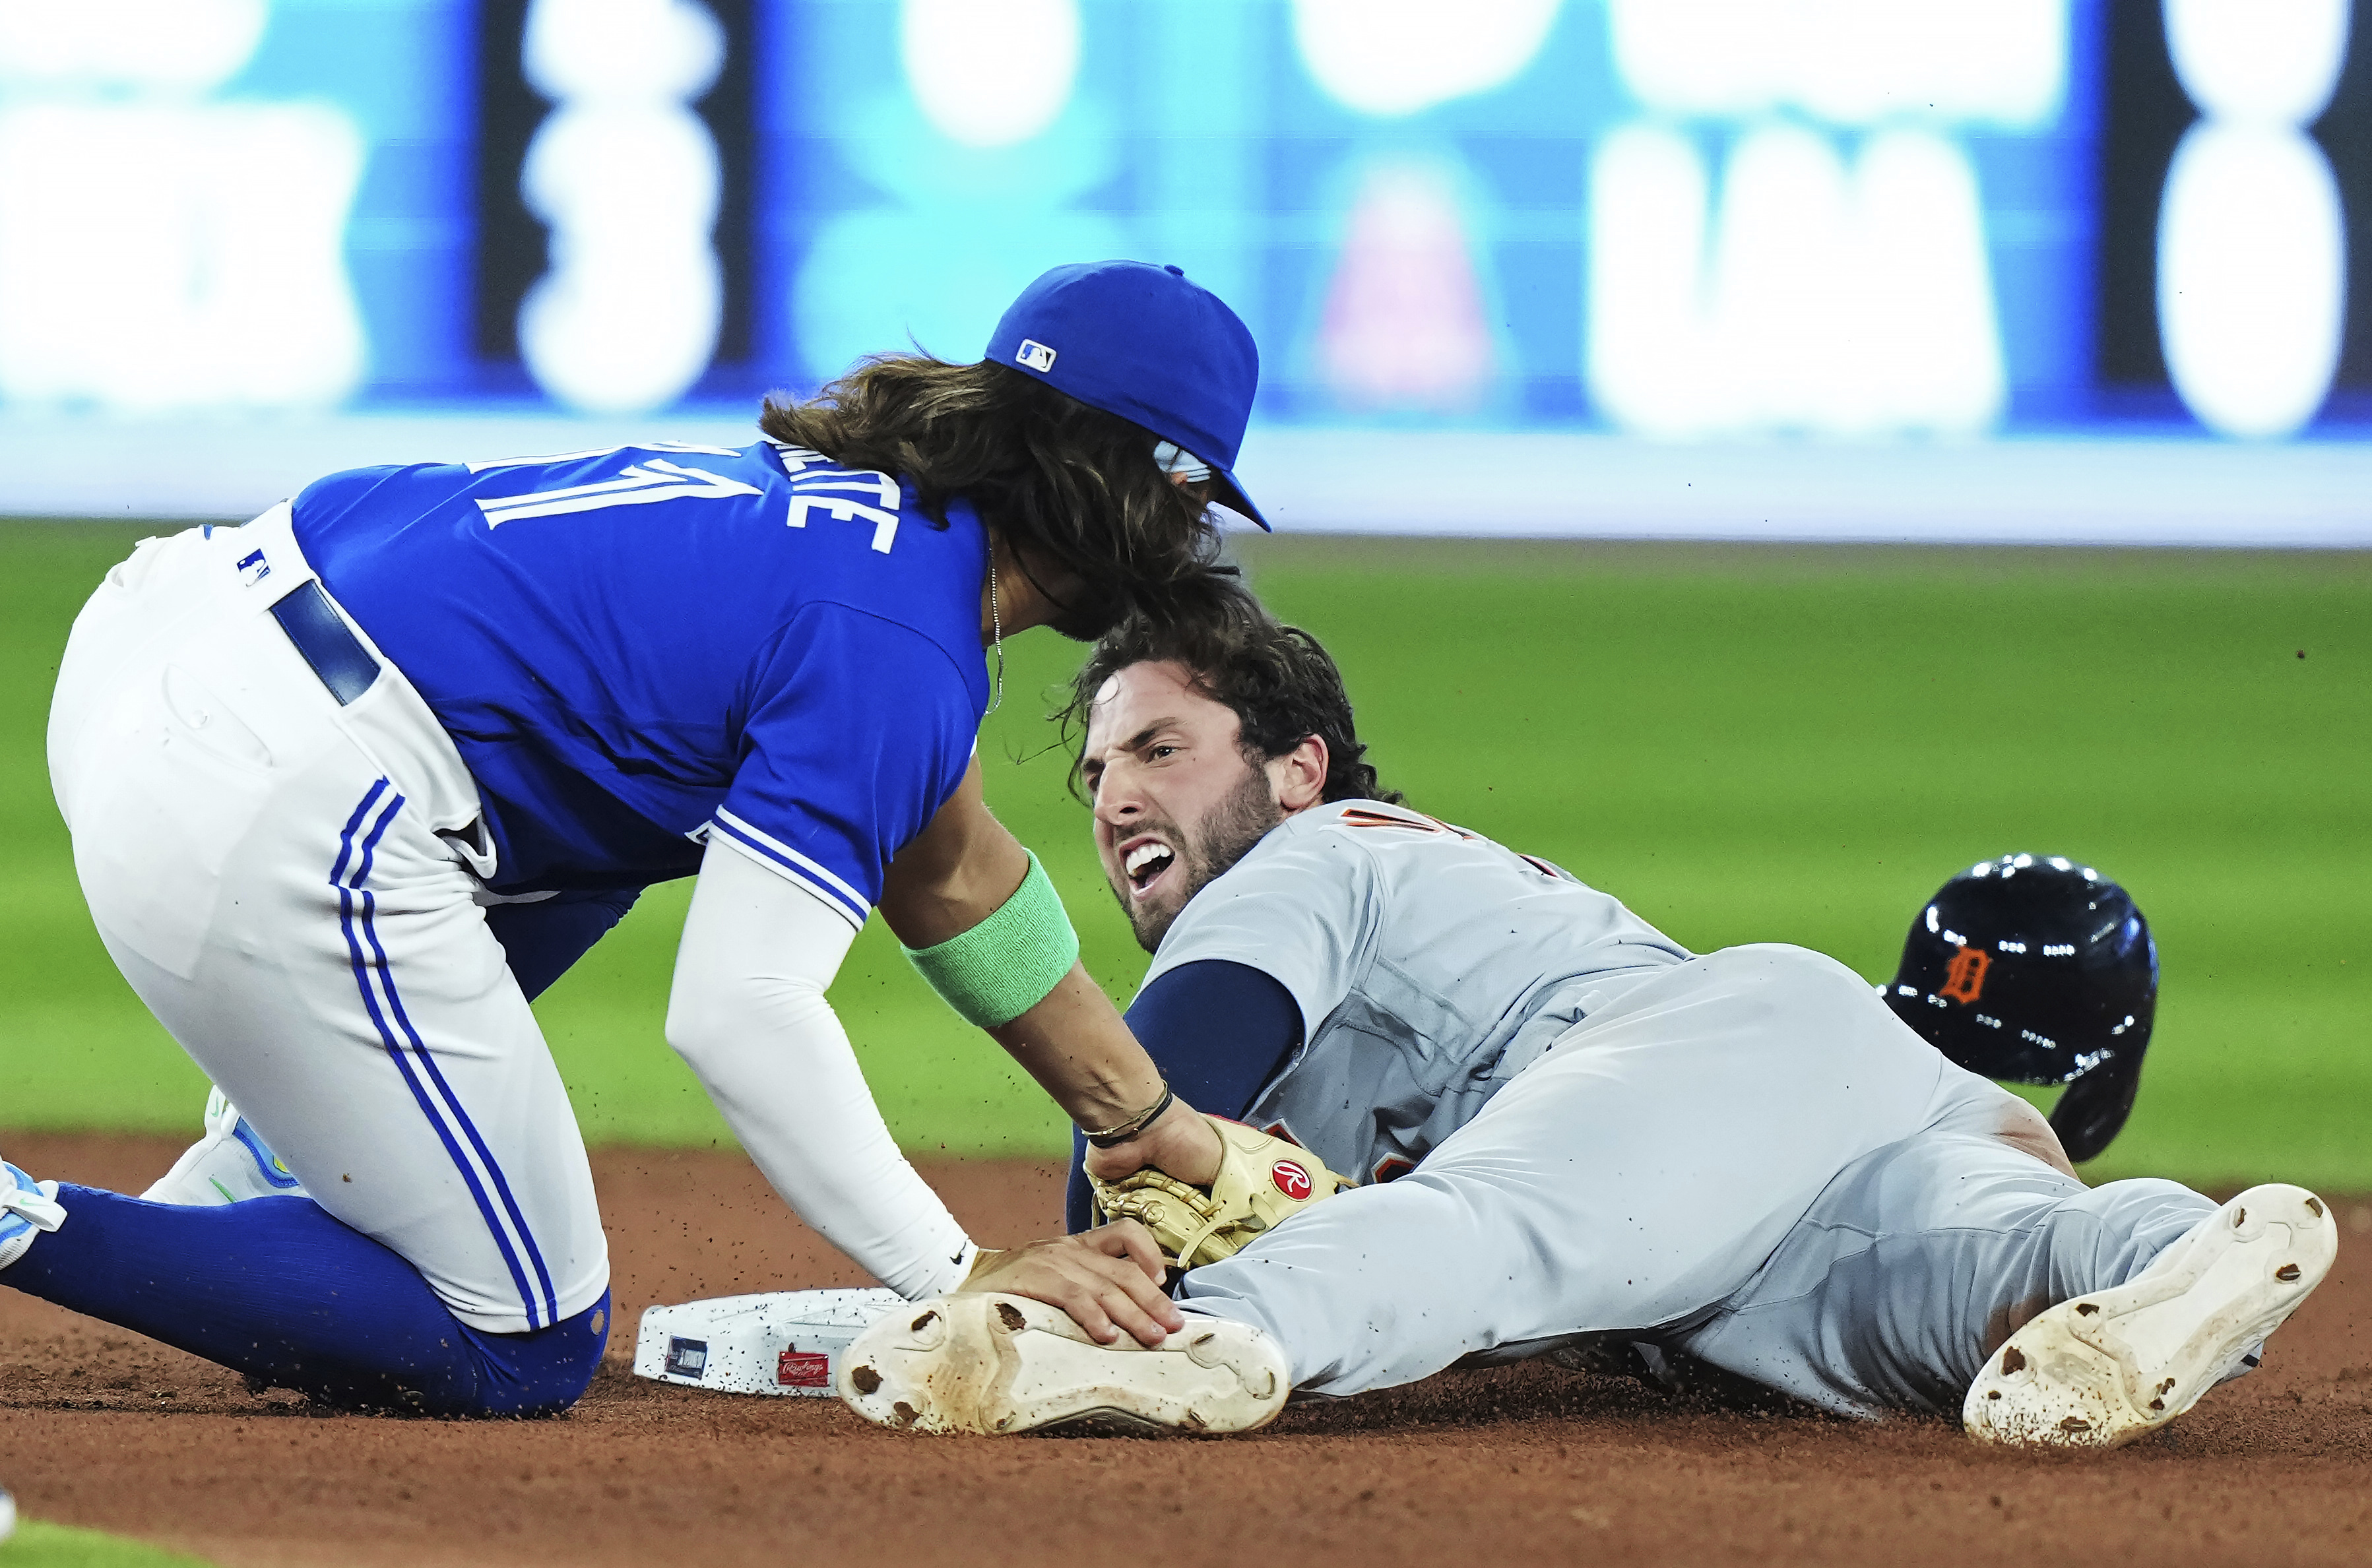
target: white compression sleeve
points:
(748, 1013)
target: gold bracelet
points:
(1129, 1129)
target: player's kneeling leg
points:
(277, 1289)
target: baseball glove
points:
(1262, 1183)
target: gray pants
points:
(1747, 1158)
(1919, 1260)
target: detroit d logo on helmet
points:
(1964, 980)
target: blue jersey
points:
(635, 649)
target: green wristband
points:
(1005, 965)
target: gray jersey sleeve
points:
(1305, 908)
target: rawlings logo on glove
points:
(1262, 1181)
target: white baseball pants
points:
(287, 884)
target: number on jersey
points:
(639, 483)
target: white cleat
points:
(2115, 1364)
(29, 1209)
(231, 1164)
(999, 1365)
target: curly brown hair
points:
(1074, 488)
(1279, 680)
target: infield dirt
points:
(1526, 1464)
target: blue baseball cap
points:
(1149, 344)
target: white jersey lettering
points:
(815, 476)
(884, 523)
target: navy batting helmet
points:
(2036, 970)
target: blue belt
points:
(328, 644)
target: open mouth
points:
(1144, 863)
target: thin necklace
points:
(996, 631)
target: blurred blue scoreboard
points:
(1447, 221)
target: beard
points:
(1210, 852)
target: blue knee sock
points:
(275, 1288)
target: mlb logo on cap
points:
(1149, 344)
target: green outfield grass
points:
(1745, 743)
(37, 1544)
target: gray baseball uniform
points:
(1573, 1127)
(1431, 965)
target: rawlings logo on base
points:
(1291, 1179)
(795, 1368)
